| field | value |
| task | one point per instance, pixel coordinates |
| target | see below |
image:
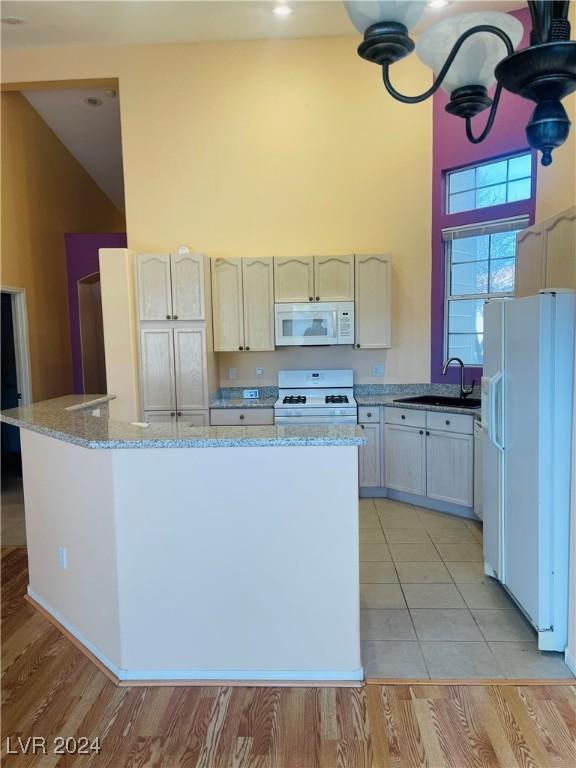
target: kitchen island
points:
(178, 553)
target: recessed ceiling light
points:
(93, 101)
(282, 10)
(438, 3)
(110, 92)
(13, 21)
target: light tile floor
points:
(428, 610)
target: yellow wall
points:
(45, 193)
(272, 148)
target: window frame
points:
(523, 221)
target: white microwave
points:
(322, 323)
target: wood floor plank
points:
(50, 688)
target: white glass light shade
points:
(364, 13)
(475, 61)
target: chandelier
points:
(470, 51)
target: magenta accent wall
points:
(81, 261)
(451, 149)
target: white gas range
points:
(315, 397)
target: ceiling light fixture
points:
(544, 72)
(13, 21)
(110, 92)
(436, 4)
(93, 101)
(282, 9)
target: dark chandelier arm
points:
(489, 123)
(447, 64)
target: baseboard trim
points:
(570, 661)
(138, 678)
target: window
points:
(480, 263)
(493, 183)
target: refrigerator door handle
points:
(494, 388)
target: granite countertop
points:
(387, 394)
(241, 402)
(68, 419)
(390, 402)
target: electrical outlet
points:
(63, 558)
(259, 371)
(377, 370)
(250, 394)
(231, 373)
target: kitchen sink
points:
(450, 402)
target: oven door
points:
(299, 325)
(311, 421)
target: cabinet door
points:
(159, 417)
(529, 262)
(258, 293)
(294, 279)
(334, 278)
(187, 286)
(450, 467)
(227, 305)
(154, 293)
(560, 260)
(373, 302)
(369, 457)
(193, 418)
(190, 367)
(157, 352)
(405, 459)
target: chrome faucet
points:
(464, 391)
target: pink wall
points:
(451, 149)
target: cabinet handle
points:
(357, 346)
(448, 421)
(179, 414)
(317, 298)
(361, 426)
(247, 349)
(174, 317)
(168, 317)
(403, 417)
(241, 416)
(427, 433)
(240, 348)
(172, 414)
(421, 431)
(310, 298)
(369, 414)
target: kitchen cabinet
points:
(369, 457)
(174, 375)
(186, 418)
(450, 467)
(170, 286)
(314, 278)
(373, 311)
(405, 459)
(546, 255)
(243, 304)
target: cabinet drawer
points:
(226, 417)
(368, 414)
(405, 416)
(450, 422)
(193, 418)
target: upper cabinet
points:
(373, 312)
(171, 286)
(243, 304)
(314, 278)
(334, 278)
(294, 279)
(546, 255)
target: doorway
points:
(91, 334)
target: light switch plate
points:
(377, 370)
(259, 371)
(250, 394)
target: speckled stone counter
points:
(387, 395)
(70, 419)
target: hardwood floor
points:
(50, 689)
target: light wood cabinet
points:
(334, 278)
(450, 467)
(154, 286)
(157, 359)
(546, 255)
(189, 368)
(170, 286)
(243, 304)
(294, 279)
(369, 457)
(373, 311)
(405, 459)
(185, 418)
(160, 417)
(231, 417)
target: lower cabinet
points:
(369, 458)
(233, 417)
(450, 467)
(405, 459)
(186, 418)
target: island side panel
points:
(239, 563)
(69, 503)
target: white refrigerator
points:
(527, 392)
